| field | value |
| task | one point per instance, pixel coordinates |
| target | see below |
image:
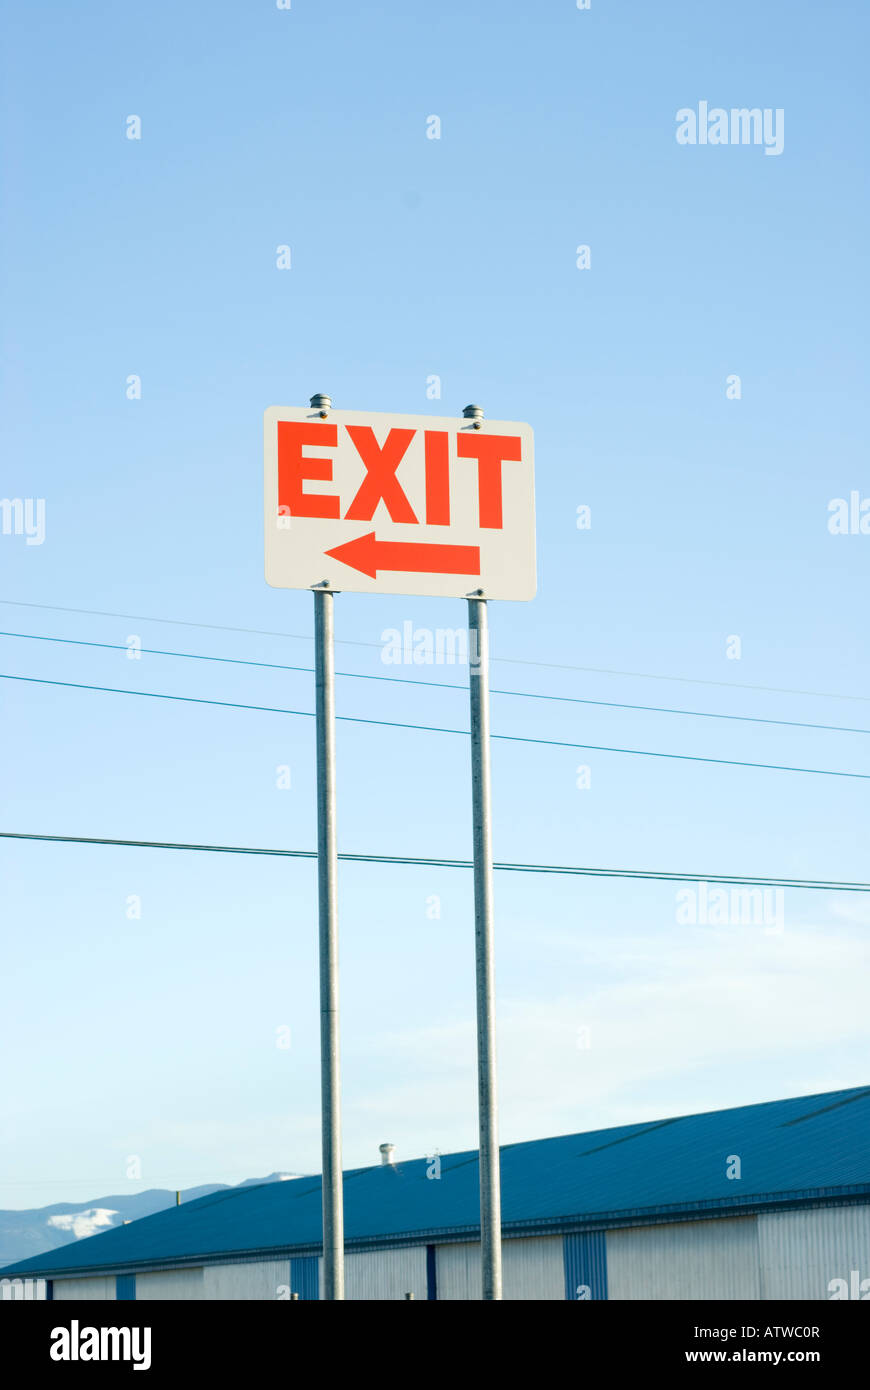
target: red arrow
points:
(368, 555)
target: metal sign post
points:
(331, 1187)
(327, 902)
(484, 951)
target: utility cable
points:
(430, 862)
(445, 685)
(509, 660)
(438, 729)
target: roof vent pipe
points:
(386, 1151)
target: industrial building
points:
(766, 1201)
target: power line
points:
(195, 700)
(507, 660)
(443, 685)
(173, 622)
(429, 862)
(438, 729)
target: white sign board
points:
(399, 504)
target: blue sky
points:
(411, 257)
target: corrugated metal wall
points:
(586, 1266)
(305, 1278)
(263, 1279)
(386, 1274)
(782, 1255)
(686, 1260)
(801, 1252)
(95, 1286)
(533, 1270)
(180, 1284)
(457, 1272)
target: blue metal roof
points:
(792, 1152)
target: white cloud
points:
(83, 1223)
